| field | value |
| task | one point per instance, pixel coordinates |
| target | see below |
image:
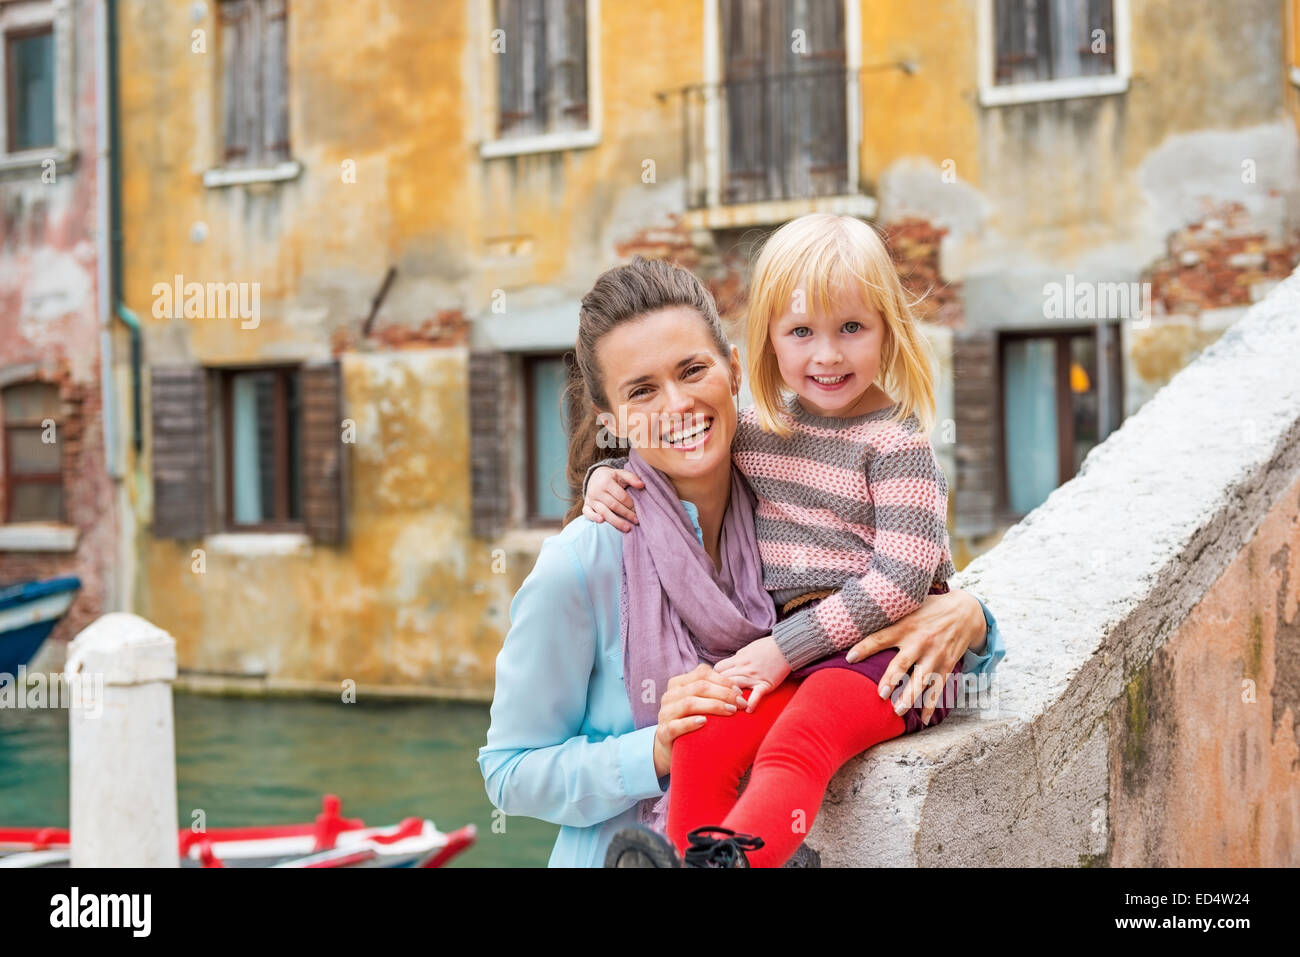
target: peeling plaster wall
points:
(375, 84)
(408, 602)
(1091, 186)
(1204, 763)
(50, 331)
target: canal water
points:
(246, 761)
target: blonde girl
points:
(851, 529)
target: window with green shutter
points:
(249, 449)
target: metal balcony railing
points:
(766, 137)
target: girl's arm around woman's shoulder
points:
(537, 762)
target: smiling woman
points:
(599, 673)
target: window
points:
(33, 458)
(254, 87)
(29, 87)
(773, 131)
(547, 439)
(786, 129)
(36, 107)
(261, 435)
(1041, 40)
(519, 446)
(542, 79)
(544, 70)
(1060, 396)
(250, 450)
(1052, 49)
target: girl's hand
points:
(759, 665)
(682, 708)
(933, 638)
(607, 498)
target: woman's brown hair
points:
(621, 294)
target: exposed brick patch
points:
(914, 244)
(720, 267)
(446, 328)
(87, 505)
(1215, 262)
(672, 241)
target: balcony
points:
(766, 148)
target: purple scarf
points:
(675, 608)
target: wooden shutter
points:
(325, 459)
(522, 70)
(1022, 28)
(566, 44)
(976, 410)
(507, 17)
(275, 74)
(238, 66)
(182, 468)
(1100, 15)
(489, 398)
(817, 105)
(747, 133)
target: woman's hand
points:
(759, 665)
(606, 497)
(682, 708)
(934, 638)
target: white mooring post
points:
(122, 749)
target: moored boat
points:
(330, 841)
(28, 613)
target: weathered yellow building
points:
(357, 233)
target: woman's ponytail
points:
(589, 440)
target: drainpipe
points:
(115, 223)
(103, 249)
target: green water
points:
(268, 761)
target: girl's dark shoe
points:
(709, 847)
(641, 847)
(719, 847)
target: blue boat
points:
(28, 613)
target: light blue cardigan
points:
(561, 745)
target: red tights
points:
(796, 740)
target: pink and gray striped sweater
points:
(856, 504)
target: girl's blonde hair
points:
(821, 255)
